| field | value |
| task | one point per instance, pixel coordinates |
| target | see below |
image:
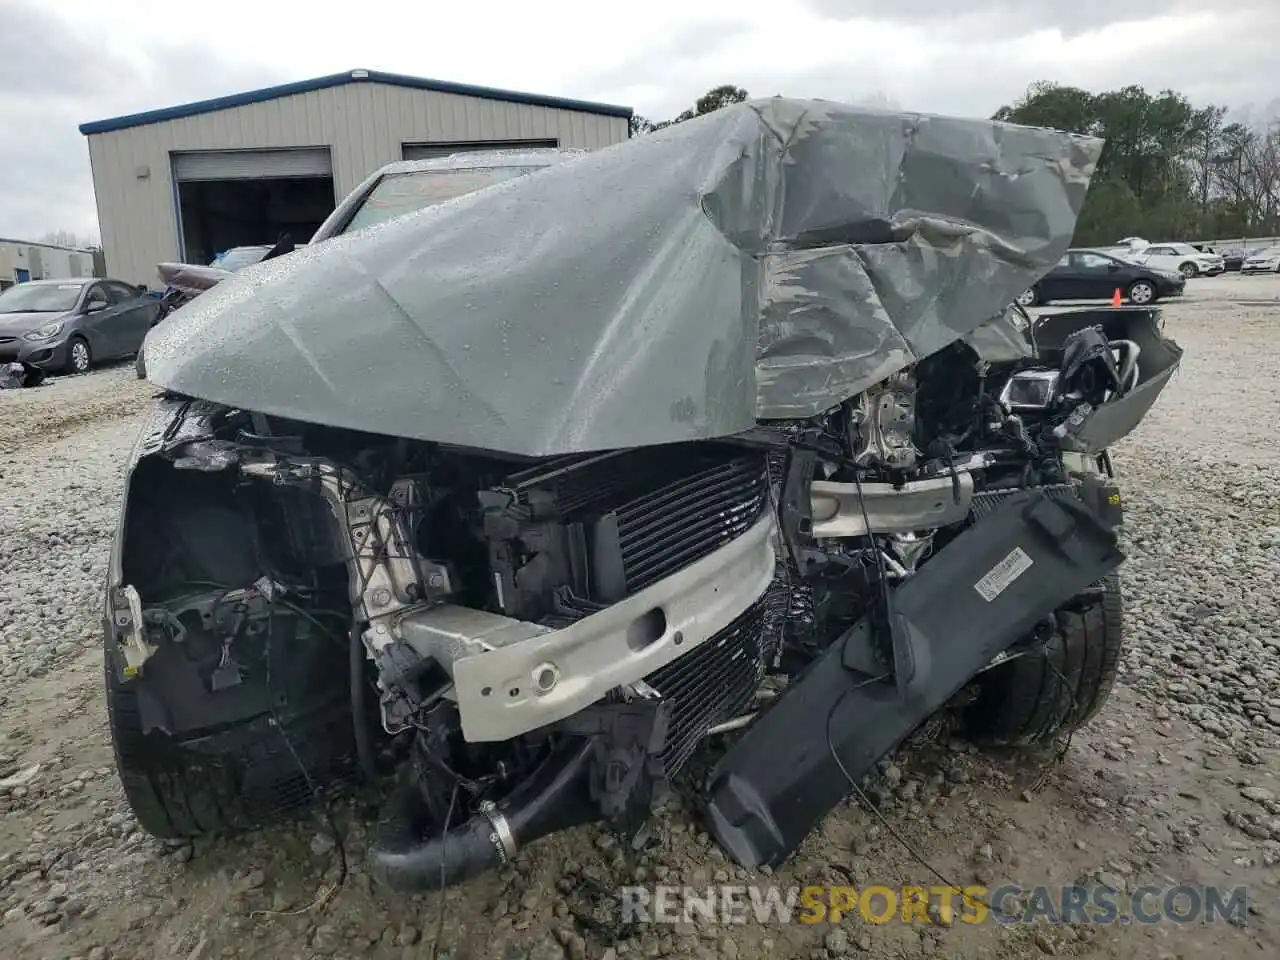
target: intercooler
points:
(987, 502)
(714, 683)
(638, 516)
(643, 515)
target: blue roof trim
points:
(337, 80)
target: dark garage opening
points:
(219, 214)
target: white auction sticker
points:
(1002, 574)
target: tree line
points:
(67, 238)
(1169, 171)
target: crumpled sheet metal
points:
(191, 278)
(1001, 339)
(769, 260)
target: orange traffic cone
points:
(1117, 298)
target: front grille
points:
(714, 683)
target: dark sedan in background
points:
(1233, 258)
(65, 326)
(1094, 275)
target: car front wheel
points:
(1142, 292)
(79, 357)
(1188, 270)
(1028, 297)
(1037, 697)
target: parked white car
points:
(1262, 261)
(1180, 257)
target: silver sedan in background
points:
(65, 326)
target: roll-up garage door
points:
(252, 164)
(427, 151)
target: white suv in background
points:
(1182, 258)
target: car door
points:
(1158, 258)
(99, 323)
(1098, 275)
(1056, 284)
(136, 313)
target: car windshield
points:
(400, 193)
(40, 297)
(1268, 252)
(237, 258)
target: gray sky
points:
(64, 63)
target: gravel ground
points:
(1176, 782)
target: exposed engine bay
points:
(529, 643)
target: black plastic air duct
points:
(407, 854)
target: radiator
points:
(714, 683)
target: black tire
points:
(1037, 697)
(79, 356)
(1188, 270)
(140, 365)
(1137, 296)
(171, 796)
(229, 780)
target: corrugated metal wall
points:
(43, 262)
(365, 124)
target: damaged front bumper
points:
(975, 598)
(511, 677)
(508, 676)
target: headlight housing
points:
(47, 332)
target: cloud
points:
(969, 59)
(1001, 18)
(62, 64)
(647, 75)
(55, 77)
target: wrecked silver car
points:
(514, 499)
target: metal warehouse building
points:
(22, 260)
(187, 182)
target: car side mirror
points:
(1113, 267)
(95, 307)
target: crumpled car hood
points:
(769, 260)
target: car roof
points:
(48, 282)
